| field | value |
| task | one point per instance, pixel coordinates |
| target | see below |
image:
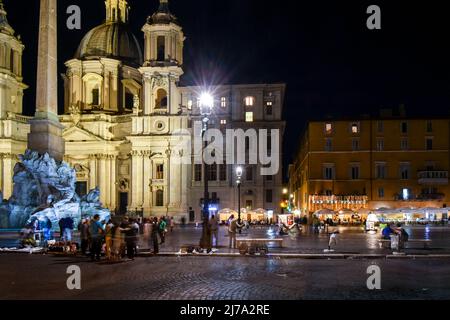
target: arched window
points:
(160, 198)
(161, 99)
(161, 47)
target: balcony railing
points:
(433, 177)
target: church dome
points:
(111, 40)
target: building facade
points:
(372, 163)
(125, 115)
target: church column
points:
(101, 177)
(107, 178)
(168, 182)
(136, 179)
(113, 182)
(7, 175)
(92, 172)
(147, 96)
(175, 194)
(114, 89)
(147, 176)
(107, 79)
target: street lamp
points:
(206, 104)
(239, 172)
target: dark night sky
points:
(331, 62)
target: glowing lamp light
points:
(206, 103)
(285, 191)
(239, 172)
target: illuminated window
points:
(405, 194)
(223, 102)
(249, 101)
(355, 128)
(328, 128)
(269, 108)
(249, 117)
(223, 122)
(190, 104)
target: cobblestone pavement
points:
(219, 278)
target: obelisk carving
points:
(46, 131)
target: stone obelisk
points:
(46, 131)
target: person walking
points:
(232, 230)
(154, 235)
(96, 232)
(214, 227)
(109, 229)
(162, 229)
(83, 227)
(172, 224)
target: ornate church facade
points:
(123, 114)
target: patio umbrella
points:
(324, 212)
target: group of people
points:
(121, 240)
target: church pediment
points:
(79, 134)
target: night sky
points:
(332, 64)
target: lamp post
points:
(206, 105)
(239, 172)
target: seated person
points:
(386, 233)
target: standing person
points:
(147, 239)
(124, 227)
(96, 232)
(214, 226)
(162, 229)
(172, 224)
(109, 233)
(232, 230)
(47, 229)
(83, 227)
(118, 244)
(61, 228)
(68, 229)
(154, 235)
